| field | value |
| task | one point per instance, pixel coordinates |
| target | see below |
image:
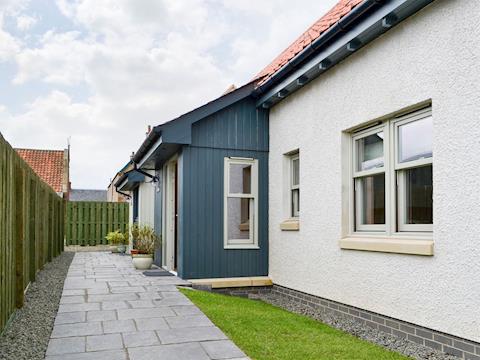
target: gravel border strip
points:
(388, 341)
(27, 335)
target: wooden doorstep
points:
(218, 283)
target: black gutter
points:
(149, 141)
(120, 180)
(340, 26)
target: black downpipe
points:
(122, 193)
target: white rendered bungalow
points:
(374, 205)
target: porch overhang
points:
(157, 155)
(129, 181)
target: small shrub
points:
(116, 238)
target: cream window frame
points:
(252, 241)
(400, 168)
(293, 157)
(359, 174)
(394, 181)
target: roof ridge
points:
(32, 149)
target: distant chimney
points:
(133, 154)
(149, 130)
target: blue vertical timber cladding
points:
(240, 130)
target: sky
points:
(96, 73)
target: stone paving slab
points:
(110, 311)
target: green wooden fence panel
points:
(88, 222)
(31, 228)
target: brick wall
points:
(449, 344)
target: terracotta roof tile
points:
(342, 8)
(47, 164)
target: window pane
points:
(295, 171)
(370, 198)
(238, 223)
(295, 202)
(370, 152)
(418, 196)
(240, 178)
(415, 140)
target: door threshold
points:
(170, 271)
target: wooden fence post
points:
(19, 235)
(33, 230)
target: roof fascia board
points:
(150, 152)
(178, 131)
(369, 28)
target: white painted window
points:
(240, 203)
(295, 185)
(392, 176)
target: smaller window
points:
(295, 185)
(240, 203)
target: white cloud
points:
(98, 147)
(141, 62)
(25, 22)
(61, 59)
(12, 7)
(9, 45)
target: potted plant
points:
(117, 240)
(145, 243)
(134, 232)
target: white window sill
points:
(290, 225)
(241, 246)
(389, 245)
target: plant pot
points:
(114, 249)
(142, 261)
(121, 249)
(133, 252)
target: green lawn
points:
(264, 331)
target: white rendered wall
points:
(130, 219)
(433, 55)
(146, 202)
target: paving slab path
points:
(110, 311)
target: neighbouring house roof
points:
(88, 195)
(47, 164)
(342, 8)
